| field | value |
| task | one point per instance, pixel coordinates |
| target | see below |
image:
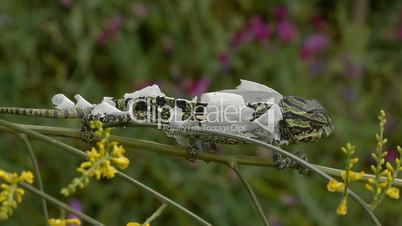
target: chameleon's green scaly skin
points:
(302, 120)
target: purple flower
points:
(392, 154)
(281, 13)
(140, 10)
(168, 46)
(224, 61)
(260, 29)
(112, 30)
(75, 204)
(286, 31)
(313, 44)
(352, 67)
(318, 22)
(198, 87)
(241, 37)
(66, 3)
(316, 66)
(399, 33)
(348, 94)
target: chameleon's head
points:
(304, 120)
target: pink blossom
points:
(259, 28)
(198, 87)
(224, 61)
(399, 33)
(318, 22)
(66, 3)
(286, 31)
(281, 13)
(241, 37)
(75, 204)
(112, 30)
(140, 10)
(351, 66)
(313, 44)
(392, 154)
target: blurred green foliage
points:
(346, 54)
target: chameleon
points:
(260, 113)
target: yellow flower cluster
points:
(11, 194)
(99, 160)
(347, 175)
(376, 185)
(136, 224)
(63, 222)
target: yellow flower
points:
(393, 192)
(26, 176)
(135, 224)
(356, 176)
(108, 170)
(11, 194)
(118, 151)
(335, 186)
(5, 176)
(64, 222)
(342, 208)
(122, 162)
(93, 154)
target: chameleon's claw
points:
(301, 168)
(86, 130)
(192, 153)
(280, 162)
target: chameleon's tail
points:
(45, 113)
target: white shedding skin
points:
(149, 91)
(109, 100)
(105, 108)
(81, 102)
(252, 92)
(269, 121)
(62, 102)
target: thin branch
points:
(61, 204)
(156, 214)
(181, 152)
(250, 193)
(37, 174)
(196, 130)
(127, 178)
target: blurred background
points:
(346, 54)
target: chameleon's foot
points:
(301, 168)
(280, 162)
(192, 153)
(86, 131)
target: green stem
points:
(61, 204)
(250, 193)
(156, 214)
(37, 174)
(127, 178)
(182, 152)
(197, 130)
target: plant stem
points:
(127, 178)
(61, 204)
(155, 214)
(181, 152)
(250, 193)
(37, 174)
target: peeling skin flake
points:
(151, 91)
(105, 108)
(81, 102)
(62, 102)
